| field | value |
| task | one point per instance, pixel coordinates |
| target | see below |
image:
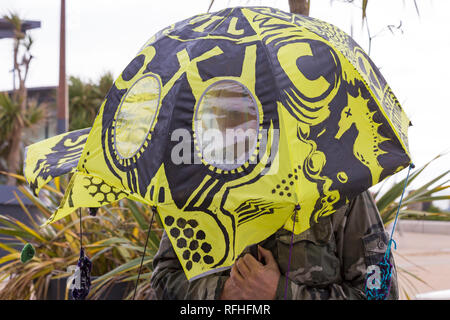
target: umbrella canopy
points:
(234, 124)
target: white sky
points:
(104, 35)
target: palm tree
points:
(17, 107)
(85, 99)
(10, 117)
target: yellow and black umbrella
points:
(234, 124)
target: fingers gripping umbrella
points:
(234, 124)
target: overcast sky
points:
(104, 35)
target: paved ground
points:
(426, 257)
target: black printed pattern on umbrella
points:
(62, 158)
(189, 236)
(252, 209)
(286, 185)
(107, 193)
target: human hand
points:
(251, 280)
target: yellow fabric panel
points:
(86, 191)
(53, 157)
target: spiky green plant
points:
(388, 201)
(388, 204)
(113, 240)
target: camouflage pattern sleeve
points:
(169, 281)
(330, 261)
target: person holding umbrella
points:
(280, 210)
(329, 261)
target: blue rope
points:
(384, 267)
(386, 255)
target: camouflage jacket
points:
(329, 261)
